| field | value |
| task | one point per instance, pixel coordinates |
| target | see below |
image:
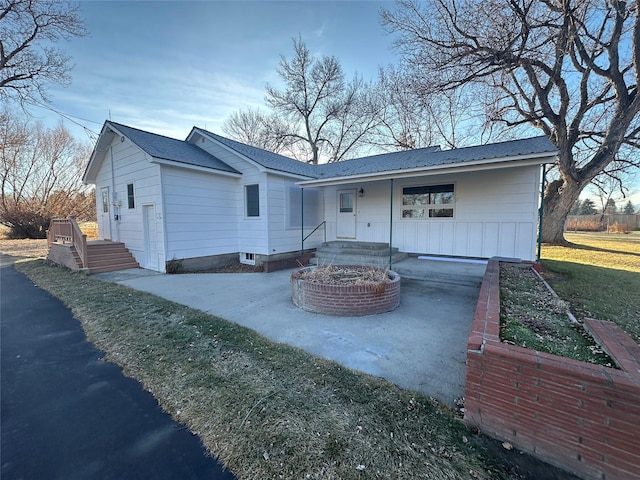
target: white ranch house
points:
(209, 201)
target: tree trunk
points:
(559, 197)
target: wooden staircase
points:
(107, 256)
(357, 253)
(102, 256)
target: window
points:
(312, 207)
(252, 200)
(428, 201)
(131, 201)
(105, 200)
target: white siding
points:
(252, 232)
(131, 166)
(495, 214)
(201, 211)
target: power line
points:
(90, 133)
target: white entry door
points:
(150, 237)
(346, 224)
(104, 215)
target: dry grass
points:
(27, 248)
(574, 224)
(340, 275)
(267, 410)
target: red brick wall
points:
(345, 300)
(579, 416)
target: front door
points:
(104, 215)
(346, 224)
(150, 237)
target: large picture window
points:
(428, 201)
(252, 200)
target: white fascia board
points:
(472, 166)
(202, 133)
(188, 166)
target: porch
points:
(69, 247)
(441, 269)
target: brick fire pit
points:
(345, 300)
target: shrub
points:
(583, 225)
(619, 228)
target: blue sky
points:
(165, 66)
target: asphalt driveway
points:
(67, 414)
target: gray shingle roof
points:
(181, 151)
(166, 148)
(267, 159)
(385, 162)
(428, 157)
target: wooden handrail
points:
(66, 230)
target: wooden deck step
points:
(106, 256)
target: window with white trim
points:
(252, 200)
(428, 201)
(131, 199)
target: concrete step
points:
(333, 250)
(358, 245)
(442, 271)
(358, 259)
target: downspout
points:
(390, 221)
(113, 199)
(302, 220)
(541, 211)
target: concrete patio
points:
(420, 346)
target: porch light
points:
(361, 192)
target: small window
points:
(131, 201)
(428, 201)
(105, 201)
(252, 200)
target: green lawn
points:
(599, 276)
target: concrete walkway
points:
(420, 346)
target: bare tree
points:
(329, 117)
(568, 68)
(28, 58)
(414, 118)
(253, 127)
(41, 176)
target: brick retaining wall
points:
(581, 417)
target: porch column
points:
(390, 221)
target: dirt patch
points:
(532, 316)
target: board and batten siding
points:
(131, 166)
(200, 213)
(495, 214)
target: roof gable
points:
(161, 148)
(166, 148)
(265, 158)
